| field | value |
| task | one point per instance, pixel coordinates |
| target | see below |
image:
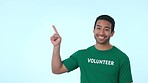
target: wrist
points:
(56, 46)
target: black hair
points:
(107, 18)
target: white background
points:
(25, 31)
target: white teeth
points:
(100, 37)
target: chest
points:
(98, 63)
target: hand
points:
(55, 39)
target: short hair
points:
(107, 18)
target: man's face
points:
(102, 32)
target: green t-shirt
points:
(96, 66)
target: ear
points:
(112, 33)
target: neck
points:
(103, 46)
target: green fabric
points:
(109, 66)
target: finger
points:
(55, 36)
(55, 30)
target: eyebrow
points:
(105, 26)
(98, 25)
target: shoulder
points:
(119, 52)
(121, 55)
(82, 52)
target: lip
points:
(101, 37)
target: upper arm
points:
(61, 70)
(69, 64)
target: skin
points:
(57, 66)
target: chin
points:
(102, 42)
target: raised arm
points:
(57, 65)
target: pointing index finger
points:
(55, 30)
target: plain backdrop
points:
(25, 31)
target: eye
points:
(98, 28)
(107, 29)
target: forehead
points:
(103, 22)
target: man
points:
(100, 63)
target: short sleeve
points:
(71, 63)
(125, 71)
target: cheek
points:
(111, 34)
(94, 32)
(108, 34)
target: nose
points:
(101, 32)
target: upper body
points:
(97, 66)
(101, 63)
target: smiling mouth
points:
(101, 37)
